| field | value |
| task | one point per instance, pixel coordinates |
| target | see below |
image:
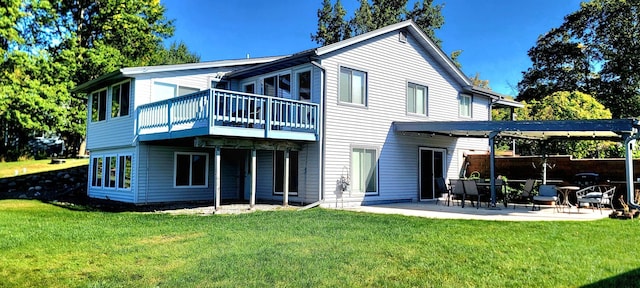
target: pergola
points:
(620, 130)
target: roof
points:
(601, 129)
(122, 73)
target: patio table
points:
(565, 190)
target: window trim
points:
(111, 97)
(460, 110)
(351, 175)
(104, 178)
(206, 170)
(426, 99)
(94, 171)
(106, 96)
(291, 193)
(176, 87)
(296, 90)
(366, 87)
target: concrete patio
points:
(520, 213)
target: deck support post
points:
(217, 179)
(492, 166)
(285, 193)
(252, 201)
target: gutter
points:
(323, 96)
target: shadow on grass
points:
(628, 279)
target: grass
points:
(8, 169)
(46, 245)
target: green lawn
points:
(8, 169)
(46, 245)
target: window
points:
(120, 100)
(124, 172)
(186, 90)
(249, 88)
(98, 106)
(96, 173)
(364, 170)
(110, 176)
(277, 86)
(191, 170)
(417, 99)
(304, 85)
(465, 105)
(278, 167)
(163, 91)
(353, 86)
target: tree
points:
(370, 16)
(595, 51)
(177, 53)
(563, 105)
(49, 46)
(332, 27)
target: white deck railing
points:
(216, 107)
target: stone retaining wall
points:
(46, 185)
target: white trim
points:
(444, 169)
(377, 181)
(366, 90)
(110, 99)
(460, 97)
(291, 193)
(191, 154)
(106, 103)
(426, 99)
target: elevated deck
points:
(227, 113)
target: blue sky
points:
(494, 35)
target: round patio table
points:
(565, 190)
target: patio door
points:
(432, 163)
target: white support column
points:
(252, 201)
(285, 193)
(217, 181)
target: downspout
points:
(628, 141)
(323, 95)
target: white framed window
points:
(279, 169)
(464, 107)
(163, 91)
(277, 86)
(190, 170)
(99, 105)
(364, 170)
(124, 172)
(110, 168)
(249, 88)
(96, 171)
(353, 86)
(417, 99)
(113, 171)
(120, 99)
(303, 85)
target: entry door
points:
(431, 167)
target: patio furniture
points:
(596, 196)
(441, 188)
(523, 196)
(471, 191)
(457, 191)
(565, 191)
(547, 194)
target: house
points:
(315, 126)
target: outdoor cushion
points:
(593, 195)
(545, 198)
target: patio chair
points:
(596, 196)
(471, 191)
(546, 194)
(456, 191)
(441, 188)
(523, 196)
